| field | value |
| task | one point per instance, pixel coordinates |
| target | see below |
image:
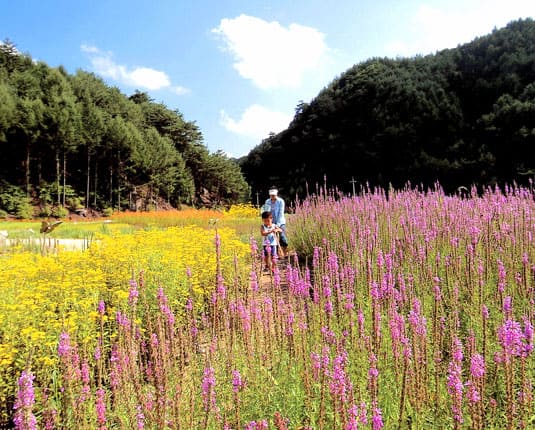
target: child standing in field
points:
(269, 231)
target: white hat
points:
(273, 192)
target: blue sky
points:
(238, 68)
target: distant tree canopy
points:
(462, 116)
(66, 138)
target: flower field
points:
(411, 310)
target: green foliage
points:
(461, 116)
(24, 208)
(74, 132)
(13, 200)
(60, 212)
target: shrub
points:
(12, 198)
(60, 212)
(24, 208)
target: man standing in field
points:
(276, 206)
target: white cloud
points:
(256, 122)
(140, 77)
(180, 91)
(436, 28)
(271, 55)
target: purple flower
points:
(455, 384)
(316, 364)
(510, 337)
(100, 406)
(23, 418)
(101, 307)
(507, 305)
(352, 422)
(208, 388)
(133, 294)
(477, 366)
(64, 346)
(140, 416)
(485, 312)
(237, 382)
(472, 393)
(377, 418)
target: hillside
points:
(461, 116)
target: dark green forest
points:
(462, 117)
(71, 142)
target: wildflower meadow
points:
(403, 309)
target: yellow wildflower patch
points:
(45, 295)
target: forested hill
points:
(71, 140)
(462, 116)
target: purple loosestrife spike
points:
(436, 289)
(289, 324)
(455, 384)
(349, 305)
(140, 417)
(316, 257)
(253, 246)
(329, 308)
(374, 291)
(417, 321)
(64, 346)
(514, 341)
(328, 335)
(164, 307)
(101, 307)
(116, 368)
(133, 293)
(472, 393)
(340, 385)
(100, 406)
(507, 306)
(24, 419)
(245, 316)
(237, 382)
(220, 288)
(316, 365)
(254, 281)
(485, 312)
(377, 418)
(352, 422)
(84, 373)
(477, 366)
(208, 389)
(363, 414)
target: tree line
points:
(70, 140)
(461, 117)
